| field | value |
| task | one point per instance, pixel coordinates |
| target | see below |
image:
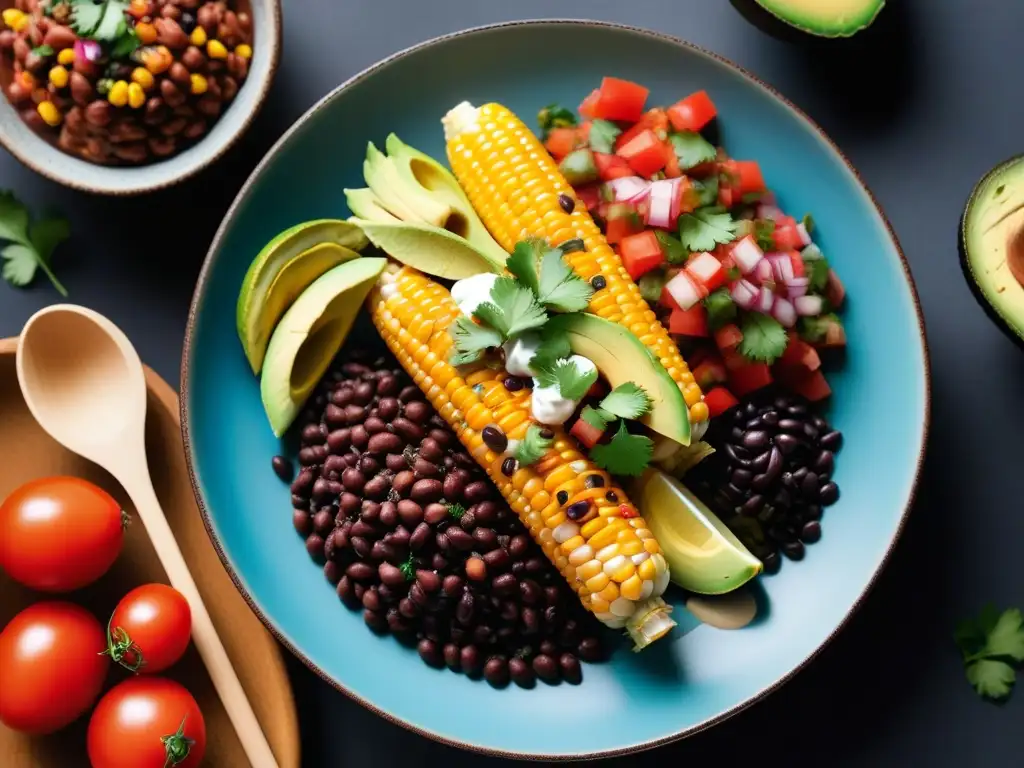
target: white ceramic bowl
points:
(43, 157)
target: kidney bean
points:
(454, 486)
(362, 528)
(346, 593)
(496, 671)
(452, 585)
(417, 411)
(486, 512)
(360, 437)
(194, 59)
(460, 539)
(531, 620)
(590, 650)
(530, 591)
(424, 469)
(400, 536)
(505, 584)
(408, 608)
(409, 393)
(477, 492)
(315, 546)
(372, 601)
(389, 574)
(519, 546)
(536, 565)
(228, 86)
(426, 490)
(323, 521)
(470, 660)
(439, 561)
(497, 560)
(435, 513)
(376, 488)
(303, 522)
(360, 571)
(552, 596)
(570, 668)
(420, 536)
(389, 514)
(375, 621)
(353, 480)
(402, 484)
(387, 408)
(546, 668)
(383, 552)
(430, 653)
(452, 657)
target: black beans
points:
(513, 383)
(494, 438)
(283, 468)
(547, 668)
(578, 510)
(509, 466)
(476, 492)
(832, 441)
(811, 532)
(570, 667)
(828, 494)
(496, 671)
(521, 673)
(562, 496)
(573, 246)
(425, 491)
(566, 203)
(598, 282)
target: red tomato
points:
(588, 105)
(560, 142)
(809, 384)
(51, 655)
(620, 100)
(59, 533)
(709, 373)
(621, 227)
(641, 253)
(590, 195)
(689, 322)
(147, 722)
(728, 336)
(645, 153)
(799, 268)
(719, 400)
(750, 178)
(787, 237)
(585, 433)
(611, 166)
(693, 112)
(672, 169)
(749, 377)
(800, 354)
(150, 628)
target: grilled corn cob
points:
(606, 551)
(514, 186)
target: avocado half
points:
(822, 18)
(992, 246)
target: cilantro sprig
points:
(533, 446)
(555, 116)
(30, 243)
(720, 307)
(513, 309)
(603, 134)
(572, 381)
(705, 228)
(104, 21)
(992, 645)
(625, 454)
(471, 340)
(544, 271)
(692, 149)
(764, 338)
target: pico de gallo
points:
(742, 286)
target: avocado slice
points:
(992, 246)
(407, 202)
(823, 18)
(310, 335)
(431, 250)
(281, 271)
(417, 169)
(620, 357)
(366, 205)
(703, 555)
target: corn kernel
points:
(27, 81)
(216, 50)
(15, 19)
(143, 77)
(146, 33)
(597, 583)
(647, 570)
(631, 587)
(118, 95)
(66, 57)
(609, 593)
(59, 77)
(243, 51)
(699, 413)
(50, 114)
(136, 96)
(198, 37)
(158, 60)
(199, 84)
(138, 8)
(589, 569)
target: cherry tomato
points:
(149, 629)
(53, 667)
(58, 534)
(147, 722)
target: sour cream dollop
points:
(519, 352)
(547, 404)
(470, 292)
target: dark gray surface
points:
(923, 107)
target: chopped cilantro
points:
(594, 418)
(555, 116)
(471, 340)
(707, 191)
(764, 338)
(720, 307)
(603, 135)
(624, 454)
(554, 345)
(675, 252)
(747, 198)
(31, 243)
(533, 446)
(572, 383)
(43, 50)
(764, 233)
(990, 645)
(546, 273)
(627, 401)
(692, 149)
(456, 511)
(523, 262)
(815, 329)
(817, 271)
(808, 223)
(513, 308)
(706, 228)
(651, 284)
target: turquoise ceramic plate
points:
(685, 683)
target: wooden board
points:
(27, 453)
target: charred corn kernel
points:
(514, 186)
(243, 51)
(136, 96)
(215, 50)
(66, 57)
(413, 313)
(118, 95)
(59, 77)
(15, 19)
(50, 114)
(198, 37)
(199, 84)
(146, 32)
(143, 77)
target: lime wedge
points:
(703, 555)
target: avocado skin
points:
(965, 259)
(788, 32)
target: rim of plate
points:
(199, 296)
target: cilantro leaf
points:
(603, 135)
(43, 50)
(595, 418)
(46, 234)
(13, 218)
(764, 233)
(674, 251)
(651, 285)
(808, 223)
(554, 345)
(1006, 637)
(20, 264)
(31, 245)
(625, 454)
(471, 340)
(533, 446)
(707, 191)
(523, 262)
(627, 401)
(560, 288)
(692, 149)
(720, 307)
(572, 383)
(555, 116)
(127, 43)
(817, 271)
(991, 679)
(706, 228)
(513, 308)
(86, 16)
(764, 338)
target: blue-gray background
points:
(923, 105)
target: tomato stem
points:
(177, 746)
(122, 649)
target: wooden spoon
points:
(83, 382)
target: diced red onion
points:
(627, 188)
(660, 200)
(764, 271)
(769, 211)
(88, 50)
(784, 312)
(782, 267)
(744, 293)
(683, 290)
(808, 306)
(703, 268)
(765, 301)
(797, 287)
(747, 255)
(805, 237)
(677, 198)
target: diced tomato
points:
(689, 322)
(585, 433)
(799, 269)
(629, 134)
(728, 336)
(583, 131)
(620, 100)
(587, 107)
(698, 355)
(655, 119)
(707, 271)
(710, 372)
(672, 169)
(590, 195)
(749, 176)
(726, 196)
(693, 112)
(611, 166)
(733, 360)
(787, 237)
(644, 153)
(835, 291)
(620, 227)
(835, 335)
(809, 384)
(785, 221)
(641, 253)
(749, 378)
(719, 400)
(800, 354)
(560, 142)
